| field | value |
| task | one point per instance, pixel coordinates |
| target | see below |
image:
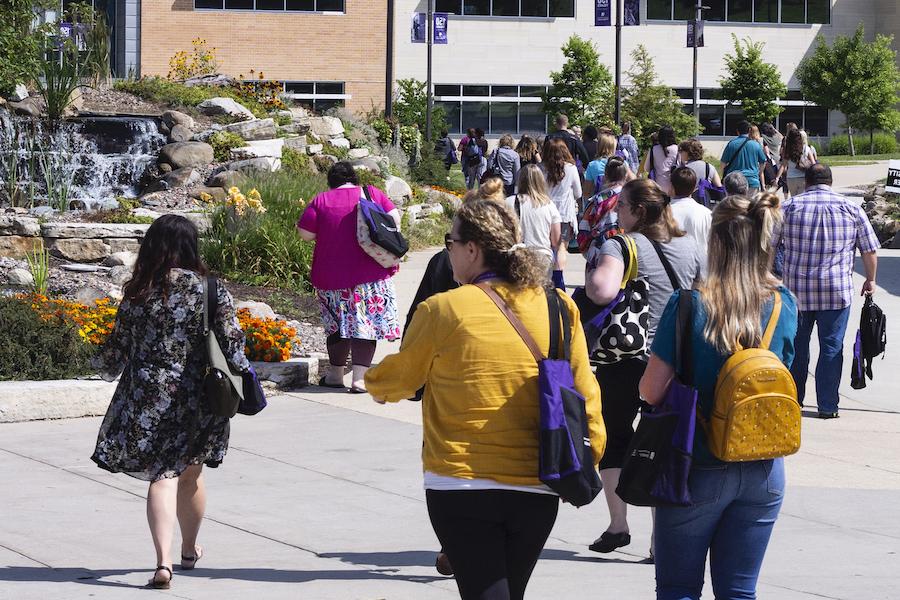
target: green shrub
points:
(885, 143)
(283, 119)
(430, 170)
(118, 215)
(295, 161)
(336, 151)
(35, 349)
(157, 89)
(367, 177)
(266, 250)
(428, 232)
(383, 130)
(223, 142)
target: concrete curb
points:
(75, 398)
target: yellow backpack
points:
(755, 414)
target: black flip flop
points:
(356, 390)
(337, 386)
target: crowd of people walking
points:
(658, 233)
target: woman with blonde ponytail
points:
(735, 504)
(488, 508)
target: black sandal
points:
(161, 585)
(323, 383)
(609, 542)
(189, 562)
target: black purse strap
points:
(210, 299)
(684, 365)
(368, 194)
(556, 313)
(666, 265)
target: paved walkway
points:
(320, 499)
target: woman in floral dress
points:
(356, 294)
(157, 428)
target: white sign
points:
(893, 178)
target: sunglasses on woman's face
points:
(448, 241)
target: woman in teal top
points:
(735, 504)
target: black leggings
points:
(621, 402)
(340, 348)
(493, 538)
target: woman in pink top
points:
(355, 293)
(662, 158)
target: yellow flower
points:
(234, 190)
(206, 197)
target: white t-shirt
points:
(696, 220)
(564, 194)
(444, 483)
(535, 222)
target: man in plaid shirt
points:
(822, 231)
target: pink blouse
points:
(338, 261)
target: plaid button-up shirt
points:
(821, 232)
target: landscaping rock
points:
(62, 399)
(152, 199)
(357, 153)
(290, 374)
(297, 143)
(106, 204)
(324, 162)
(80, 268)
(171, 118)
(413, 212)
(121, 259)
(15, 225)
(202, 221)
(182, 177)
(299, 128)
(17, 246)
(259, 149)
(266, 165)
(398, 190)
(80, 250)
(186, 154)
(315, 149)
(368, 164)
(340, 143)
(326, 126)
(123, 245)
(260, 310)
(19, 94)
(215, 80)
(218, 194)
(298, 112)
(180, 133)
(224, 106)
(224, 179)
(20, 277)
(146, 212)
(29, 107)
(89, 295)
(120, 274)
(164, 168)
(93, 230)
(257, 129)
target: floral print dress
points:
(156, 424)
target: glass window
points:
(476, 115)
(532, 91)
(452, 110)
(685, 93)
(685, 10)
(531, 118)
(505, 8)
(793, 95)
(330, 87)
(269, 4)
(299, 87)
(239, 4)
(766, 11)
(330, 5)
(503, 117)
(790, 114)
(740, 10)
(506, 91)
(716, 10)
(659, 9)
(562, 8)
(476, 7)
(792, 11)
(446, 90)
(304, 5)
(816, 121)
(818, 11)
(709, 94)
(476, 90)
(711, 119)
(449, 6)
(208, 4)
(733, 116)
(534, 8)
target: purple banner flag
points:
(440, 28)
(632, 13)
(602, 13)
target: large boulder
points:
(257, 129)
(29, 107)
(217, 194)
(297, 142)
(19, 246)
(16, 225)
(224, 106)
(180, 133)
(266, 165)
(21, 277)
(259, 148)
(260, 310)
(299, 128)
(398, 190)
(369, 164)
(81, 250)
(314, 148)
(171, 118)
(215, 80)
(182, 177)
(340, 143)
(357, 153)
(186, 154)
(121, 259)
(326, 126)
(224, 179)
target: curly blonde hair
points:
(496, 230)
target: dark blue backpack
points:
(708, 194)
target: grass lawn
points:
(844, 160)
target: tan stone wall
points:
(348, 47)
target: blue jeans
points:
(832, 325)
(734, 511)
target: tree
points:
(411, 105)
(648, 104)
(20, 41)
(858, 78)
(583, 88)
(751, 82)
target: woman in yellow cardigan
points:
(488, 508)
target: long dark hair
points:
(666, 137)
(793, 147)
(170, 243)
(555, 156)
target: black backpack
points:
(871, 341)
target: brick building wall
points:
(350, 47)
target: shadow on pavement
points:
(408, 558)
(568, 555)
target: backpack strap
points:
(629, 257)
(683, 359)
(556, 312)
(773, 323)
(514, 321)
(368, 194)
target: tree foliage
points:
(752, 82)
(648, 104)
(583, 88)
(20, 42)
(411, 105)
(856, 77)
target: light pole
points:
(698, 16)
(429, 103)
(619, 62)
